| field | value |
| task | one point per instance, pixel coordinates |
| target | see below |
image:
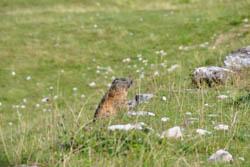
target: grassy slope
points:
(39, 39)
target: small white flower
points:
(113, 77)
(82, 96)
(0, 103)
(109, 85)
(55, 97)
(139, 55)
(188, 113)
(92, 84)
(137, 71)
(13, 73)
(181, 47)
(95, 25)
(44, 110)
(28, 78)
(62, 70)
(74, 89)
(135, 66)
(98, 72)
(206, 105)
(165, 119)
(23, 106)
(140, 59)
(156, 73)
(126, 60)
(173, 67)
(245, 20)
(25, 100)
(164, 98)
(37, 105)
(51, 88)
(141, 76)
(94, 60)
(10, 123)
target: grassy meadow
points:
(57, 59)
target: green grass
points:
(55, 43)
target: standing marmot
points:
(115, 99)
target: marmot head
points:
(121, 83)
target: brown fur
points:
(114, 100)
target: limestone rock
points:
(221, 156)
(139, 99)
(210, 75)
(238, 59)
(174, 132)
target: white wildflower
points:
(92, 84)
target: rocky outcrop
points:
(238, 59)
(210, 75)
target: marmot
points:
(114, 100)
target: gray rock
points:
(221, 156)
(238, 59)
(210, 75)
(142, 98)
(139, 99)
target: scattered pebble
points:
(222, 96)
(212, 115)
(221, 156)
(165, 119)
(45, 99)
(138, 126)
(141, 113)
(241, 158)
(174, 132)
(221, 127)
(193, 119)
(202, 131)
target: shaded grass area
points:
(61, 43)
